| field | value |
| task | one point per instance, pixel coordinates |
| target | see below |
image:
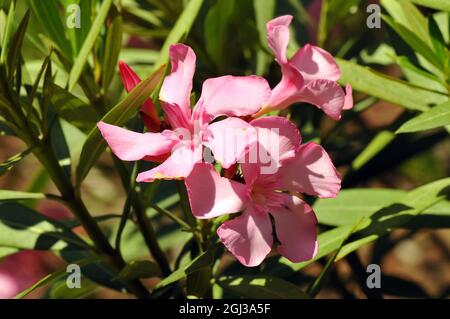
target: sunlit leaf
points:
(437, 116)
(179, 30)
(88, 44)
(387, 88)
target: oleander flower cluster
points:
(264, 167)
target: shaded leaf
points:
(259, 287)
(6, 166)
(71, 108)
(200, 262)
(139, 269)
(24, 228)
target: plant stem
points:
(46, 156)
(144, 224)
(149, 234)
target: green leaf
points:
(139, 269)
(24, 228)
(437, 116)
(387, 88)
(420, 77)
(438, 40)
(113, 45)
(180, 30)
(375, 146)
(10, 162)
(71, 108)
(6, 195)
(329, 241)
(88, 44)
(259, 287)
(6, 251)
(264, 12)
(375, 224)
(415, 42)
(7, 33)
(60, 290)
(200, 262)
(216, 29)
(62, 273)
(434, 4)
(15, 49)
(353, 204)
(398, 214)
(406, 14)
(118, 115)
(48, 15)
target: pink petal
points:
(211, 195)
(178, 166)
(248, 237)
(348, 103)
(311, 172)
(327, 96)
(148, 112)
(174, 116)
(234, 95)
(286, 91)
(132, 146)
(278, 36)
(177, 86)
(295, 225)
(230, 139)
(315, 63)
(278, 137)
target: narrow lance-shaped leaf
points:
(71, 108)
(216, 29)
(180, 29)
(24, 228)
(53, 277)
(375, 224)
(8, 195)
(259, 287)
(437, 116)
(14, 53)
(118, 115)
(434, 4)
(387, 88)
(7, 32)
(264, 12)
(416, 43)
(6, 166)
(113, 45)
(49, 17)
(200, 262)
(88, 44)
(398, 214)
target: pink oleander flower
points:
(182, 146)
(309, 76)
(301, 169)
